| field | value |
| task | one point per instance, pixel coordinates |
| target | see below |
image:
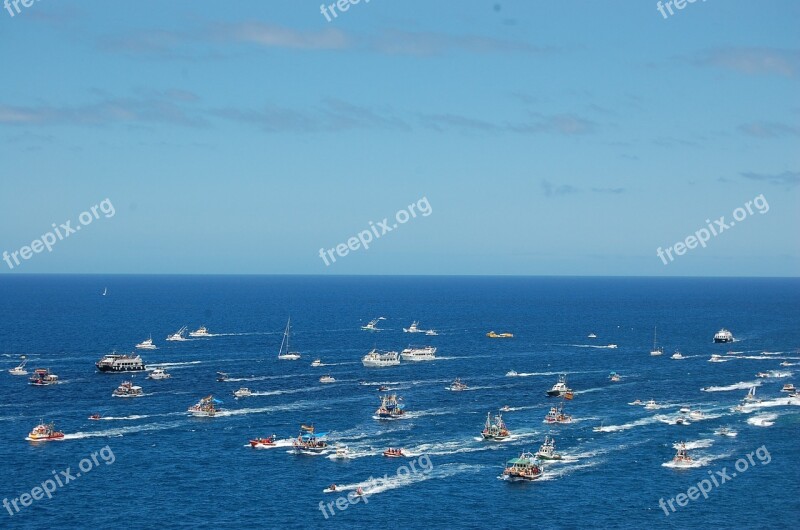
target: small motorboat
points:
(636, 402)
(330, 489)
(677, 356)
(505, 408)
(202, 331)
(327, 379)
(45, 432)
(612, 346)
(651, 405)
(222, 377)
(394, 453)
(685, 410)
(159, 374)
(178, 335)
(317, 363)
(95, 417)
(493, 335)
(147, 344)
(715, 358)
(682, 457)
(243, 392)
(614, 377)
(724, 431)
(259, 443)
(342, 453)
(697, 415)
(431, 333)
(457, 386)
(383, 388)
(682, 421)
(592, 336)
(512, 373)
(762, 375)
(788, 387)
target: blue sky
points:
(548, 137)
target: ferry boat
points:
(548, 450)
(287, 355)
(723, 336)
(316, 363)
(20, 368)
(260, 443)
(206, 407)
(457, 385)
(656, 350)
(222, 377)
(45, 432)
(556, 415)
(120, 363)
(43, 377)
(147, 344)
(412, 353)
(788, 387)
(614, 377)
(494, 429)
(178, 335)
(127, 390)
(524, 468)
(373, 324)
(158, 374)
(327, 379)
(493, 335)
(202, 331)
(309, 441)
(381, 359)
(651, 405)
(682, 457)
(413, 328)
(560, 388)
(390, 407)
(394, 453)
(242, 392)
(677, 356)
(512, 373)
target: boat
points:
(380, 359)
(556, 415)
(685, 410)
(494, 429)
(330, 489)
(287, 355)
(751, 395)
(202, 331)
(43, 377)
(327, 379)
(656, 350)
(342, 453)
(114, 362)
(309, 441)
(788, 387)
(413, 328)
(636, 402)
(682, 421)
(95, 417)
(431, 333)
(560, 388)
(457, 385)
(762, 375)
(592, 336)
(242, 392)
(222, 377)
(383, 388)
(394, 453)
(723, 336)
(716, 359)
(786, 363)
(524, 468)
(316, 363)
(147, 344)
(612, 346)
(614, 377)
(493, 335)
(158, 374)
(390, 407)
(682, 457)
(505, 408)
(105, 291)
(178, 335)
(569, 394)
(651, 405)
(512, 373)
(206, 407)
(45, 432)
(259, 443)
(414, 353)
(127, 390)
(373, 324)
(697, 415)
(724, 431)
(677, 356)
(547, 451)
(20, 368)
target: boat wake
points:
(743, 385)
(122, 431)
(780, 402)
(698, 444)
(626, 426)
(114, 418)
(388, 483)
(763, 420)
(172, 365)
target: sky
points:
(538, 138)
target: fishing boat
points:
(127, 390)
(614, 377)
(512, 373)
(788, 387)
(202, 331)
(677, 356)
(656, 350)
(390, 407)
(43, 377)
(494, 428)
(373, 324)
(260, 443)
(242, 392)
(380, 359)
(651, 405)
(327, 379)
(415, 353)
(560, 388)
(342, 453)
(457, 385)
(413, 328)
(524, 468)
(309, 441)
(206, 407)
(20, 368)
(682, 457)
(147, 344)
(45, 432)
(178, 335)
(592, 336)
(547, 451)
(723, 336)
(222, 377)
(316, 363)
(394, 453)
(158, 374)
(287, 355)
(556, 415)
(493, 335)
(115, 363)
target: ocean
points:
(155, 466)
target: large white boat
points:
(723, 336)
(547, 451)
(285, 354)
(114, 362)
(656, 350)
(158, 374)
(413, 328)
(178, 335)
(380, 359)
(206, 407)
(43, 377)
(20, 368)
(414, 353)
(147, 344)
(560, 388)
(373, 324)
(202, 331)
(127, 390)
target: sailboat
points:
(287, 355)
(105, 291)
(656, 350)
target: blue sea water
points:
(172, 470)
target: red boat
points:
(394, 453)
(262, 442)
(95, 417)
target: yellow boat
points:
(493, 335)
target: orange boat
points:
(45, 432)
(262, 442)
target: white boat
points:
(512, 373)
(457, 386)
(206, 407)
(612, 346)
(147, 344)
(381, 359)
(697, 415)
(20, 368)
(614, 377)
(656, 350)
(682, 458)
(786, 363)
(547, 451)
(788, 387)
(105, 291)
(127, 390)
(327, 379)
(316, 363)
(724, 431)
(373, 324)
(651, 405)
(414, 353)
(202, 331)
(243, 392)
(287, 355)
(178, 335)
(413, 328)
(431, 333)
(677, 355)
(592, 336)
(723, 336)
(560, 388)
(159, 373)
(114, 362)
(751, 395)
(342, 453)
(716, 358)
(685, 410)
(762, 375)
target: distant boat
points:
(724, 431)
(494, 429)
(373, 324)
(716, 358)
(127, 390)
(342, 453)
(45, 432)
(431, 333)
(287, 355)
(206, 407)
(416, 353)
(158, 374)
(394, 453)
(677, 355)
(309, 441)
(327, 379)
(243, 392)
(723, 336)
(457, 385)
(751, 395)
(612, 346)
(413, 328)
(390, 407)
(651, 405)
(592, 336)
(547, 451)
(656, 350)
(105, 291)
(788, 387)
(512, 373)
(614, 377)
(147, 344)
(259, 443)
(380, 359)
(556, 415)
(493, 335)
(116, 363)
(316, 363)
(560, 388)
(682, 457)
(202, 331)
(43, 377)
(20, 368)
(178, 335)
(222, 377)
